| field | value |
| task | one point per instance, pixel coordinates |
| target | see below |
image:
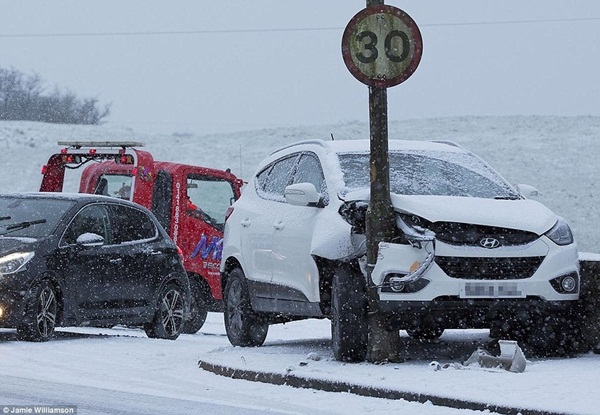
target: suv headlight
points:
(14, 262)
(414, 227)
(560, 233)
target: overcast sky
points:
(198, 65)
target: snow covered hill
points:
(558, 155)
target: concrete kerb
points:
(289, 379)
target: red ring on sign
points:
(415, 36)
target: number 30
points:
(370, 46)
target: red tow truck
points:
(189, 201)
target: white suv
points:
(469, 251)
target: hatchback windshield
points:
(29, 217)
(430, 173)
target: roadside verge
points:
(290, 379)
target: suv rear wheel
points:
(349, 327)
(243, 326)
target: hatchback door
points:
(140, 260)
(89, 266)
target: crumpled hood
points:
(527, 215)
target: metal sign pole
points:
(381, 47)
(380, 214)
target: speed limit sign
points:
(382, 46)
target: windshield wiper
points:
(507, 197)
(20, 225)
(5, 218)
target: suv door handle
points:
(279, 225)
(115, 260)
(246, 222)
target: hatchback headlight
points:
(14, 262)
(561, 233)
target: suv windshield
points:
(435, 173)
(29, 217)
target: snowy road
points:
(96, 401)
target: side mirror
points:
(90, 239)
(527, 191)
(302, 194)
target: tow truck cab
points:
(189, 201)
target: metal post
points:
(380, 214)
(380, 224)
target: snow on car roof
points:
(350, 146)
(361, 145)
(56, 195)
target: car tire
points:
(243, 326)
(198, 312)
(349, 326)
(168, 319)
(41, 310)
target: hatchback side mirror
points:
(90, 239)
(303, 194)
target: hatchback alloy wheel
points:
(46, 317)
(41, 314)
(169, 316)
(172, 312)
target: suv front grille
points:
(489, 268)
(466, 234)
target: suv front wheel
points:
(243, 326)
(349, 326)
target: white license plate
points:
(491, 290)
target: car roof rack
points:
(318, 142)
(448, 142)
(113, 144)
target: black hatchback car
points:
(87, 260)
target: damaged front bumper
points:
(401, 267)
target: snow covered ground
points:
(124, 372)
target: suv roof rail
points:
(121, 144)
(448, 142)
(321, 143)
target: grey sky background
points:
(238, 65)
